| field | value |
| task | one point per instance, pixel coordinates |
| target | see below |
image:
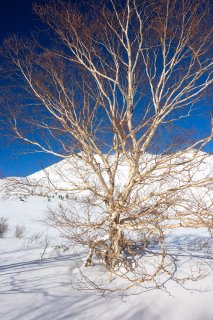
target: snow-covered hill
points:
(65, 175)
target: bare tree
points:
(107, 90)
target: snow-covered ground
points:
(32, 288)
(45, 288)
(39, 274)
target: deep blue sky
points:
(16, 17)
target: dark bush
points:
(4, 227)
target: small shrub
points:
(46, 242)
(36, 236)
(4, 227)
(62, 247)
(19, 231)
(33, 239)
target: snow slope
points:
(65, 172)
(41, 289)
(42, 284)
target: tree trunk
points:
(116, 246)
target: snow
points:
(34, 288)
(42, 284)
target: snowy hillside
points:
(66, 174)
(66, 171)
(39, 272)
